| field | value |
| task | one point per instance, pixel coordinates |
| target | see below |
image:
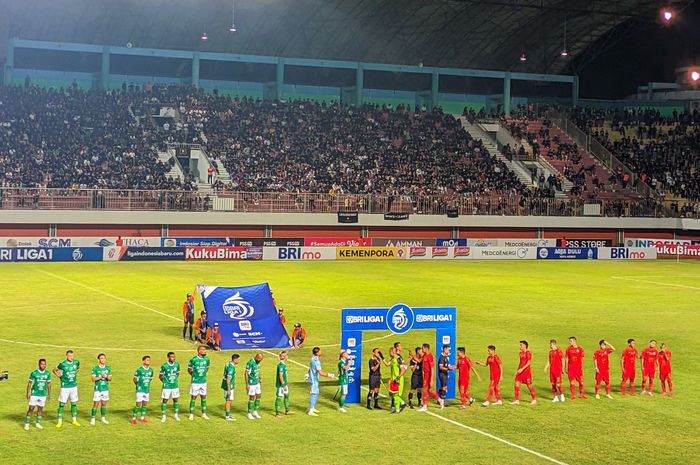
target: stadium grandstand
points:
(465, 145)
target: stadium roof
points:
(489, 34)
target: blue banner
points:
(196, 241)
(51, 254)
(571, 253)
(451, 242)
(246, 315)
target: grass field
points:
(131, 309)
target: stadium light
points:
(564, 53)
(204, 37)
(694, 76)
(233, 17)
(523, 58)
(667, 15)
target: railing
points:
(505, 204)
(595, 148)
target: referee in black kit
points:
(375, 378)
(416, 366)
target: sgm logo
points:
(237, 308)
(297, 253)
(400, 318)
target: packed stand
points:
(664, 151)
(71, 138)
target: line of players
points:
(423, 367)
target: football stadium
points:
(349, 231)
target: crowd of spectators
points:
(664, 151)
(71, 138)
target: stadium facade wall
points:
(30, 223)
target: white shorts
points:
(282, 391)
(170, 394)
(197, 389)
(343, 389)
(98, 396)
(37, 401)
(254, 389)
(142, 397)
(66, 394)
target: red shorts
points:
(649, 372)
(524, 378)
(664, 375)
(575, 374)
(427, 377)
(629, 373)
(602, 377)
(555, 378)
(463, 386)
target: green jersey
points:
(102, 383)
(229, 372)
(199, 366)
(253, 370)
(171, 374)
(281, 373)
(69, 373)
(143, 376)
(342, 372)
(395, 368)
(40, 382)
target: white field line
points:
(455, 423)
(100, 291)
(496, 438)
(66, 346)
(658, 283)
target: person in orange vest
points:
(210, 174)
(214, 337)
(283, 319)
(188, 315)
(298, 336)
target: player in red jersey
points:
(629, 366)
(464, 366)
(665, 370)
(429, 378)
(554, 366)
(523, 375)
(601, 362)
(649, 358)
(496, 376)
(573, 365)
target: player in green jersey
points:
(142, 379)
(169, 375)
(67, 371)
(282, 387)
(228, 384)
(343, 366)
(101, 375)
(38, 389)
(397, 370)
(253, 383)
(198, 368)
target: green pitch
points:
(130, 310)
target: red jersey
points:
(649, 357)
(463, 367)
(629, 357)
(665, 361)
(555, 357)
(494, 364)
(525, 357)
(428, 365)
(574, 357)
(602, 360)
